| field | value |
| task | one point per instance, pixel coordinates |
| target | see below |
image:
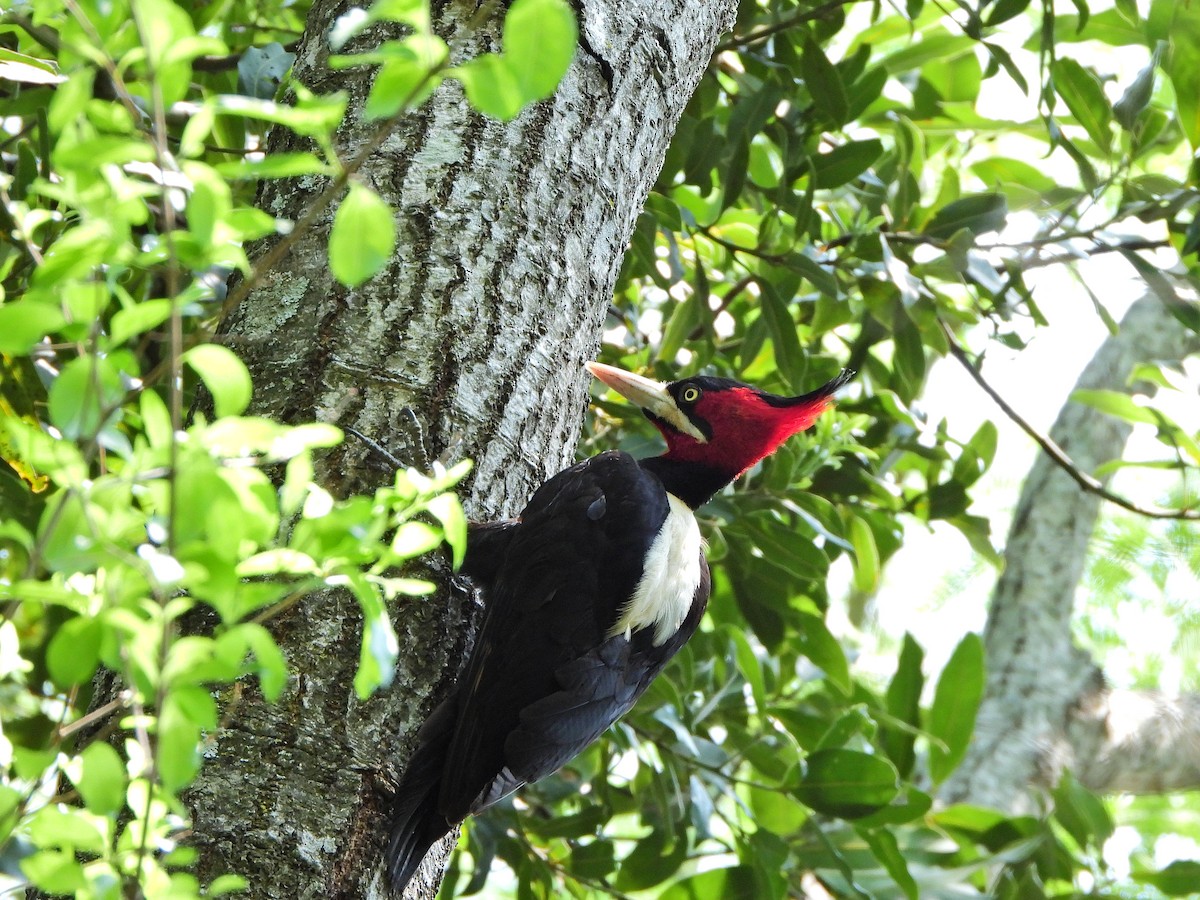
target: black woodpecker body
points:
(588, 594)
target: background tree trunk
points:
(1046, 705)
(469, 344)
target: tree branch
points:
(1055, 452)
(230, 61)
(761, 34)
(913, 238)
(1137, 742)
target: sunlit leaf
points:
(847, 783)
(955, 704)
(1085, 98)
(978, 214)
(363, 236)
(225, 376)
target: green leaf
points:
(909, 805)
(413, 539)
(903, 702)
(491, 86)
(1115, 403)
(275, 165)
(54, 871)
(977, 455)
(955, 705)
(408, 75)
(909, 359)
(227, 884)
(99, 775)
(935, 45)
(447, 510)
(735, 170)
(208, 205)
(1183, 65)
(60, 460)
(852, 722)
(1003, 10)
(74, 651)
(885, 848)
(735, 883)
(1137, 96)
(845, 163)
(18, 67)
(25, 322)
(775, 811)
(1184, 309)
(977, 213)
(275, 561)
(539, 44)
(816, 642)
(271, 666)
(1179, 879)
(818, 277)
(789, 357)
(178, 745)
(261, 69)
(1085, 98)
(749, 665)
(137, 319)
(684, 318)
(363, 236)
(594, 859)
(377, 663)
(847, 783)
(64, 826)
(10, 804)
(866, 556)
(824, 83)
(85, 397)
(653, 860)
(1001, 172)
(225, 376)
(1082, 814)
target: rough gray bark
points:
(1137, 742)
(469, 344)
(1046, 706)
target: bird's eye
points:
(690, 394)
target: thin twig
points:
(761, 34)
(730, 295)
(99, 712)
(275, 609)
(44, 35)
(915, 238)
(774, 258)
(1057, 455)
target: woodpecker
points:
(588, 594)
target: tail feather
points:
(416, 822)
(412, 837)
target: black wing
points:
(544, 679)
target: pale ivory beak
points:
(649, 394)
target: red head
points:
(718, 423)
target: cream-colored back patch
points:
(669, 580)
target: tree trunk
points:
(1046, 705)
(469, 344)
